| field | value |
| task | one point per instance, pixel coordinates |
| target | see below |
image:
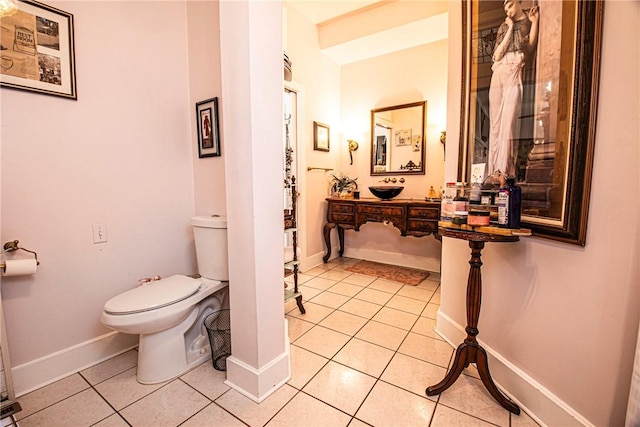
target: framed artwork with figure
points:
(208, 128)
(528, 108)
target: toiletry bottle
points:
(475, 194)
(509, 205)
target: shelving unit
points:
(291, 250)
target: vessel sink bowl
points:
(386, 192)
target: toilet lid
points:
(153, 295)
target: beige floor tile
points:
(252, 413)
(124, 389)
(428, 284)
(425, 326)
(523, 420)
(114, 420)
(435, 299)
(469, 395)
(320, 283)
(371, 295)
(207, 380)
(384, 285)
(431, 311)
(384, 335)
(364, 357)
(322, 341)
(304, 365)
(213, 416)
(302, 278)
(291, 305)
(447, 417)
(361, 308)
(304, 410)
(50, 394)
(413, 375)
(346, 289)
(335, 274)
(330, 299)
(427, 349)
(315, 271)
(387, 405)
(340, 386)
(341, 321)
(357, 423)
(434, 276)
(297, 327)
(82, 409)
(397, 318)
(112, 367)
(168, 406)
(359, 279)
(416, 293)
(314, 312)
(409, 305)
(308, 293)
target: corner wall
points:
(121, 154)
(561, 320)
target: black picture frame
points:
(208, 126)
(38, 53)
(556, 207)
(321, 137)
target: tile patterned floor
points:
(363, 354)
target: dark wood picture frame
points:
(208, 126)
(569, 103)
(38, 53)
(321, 138)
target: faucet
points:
(394, 180)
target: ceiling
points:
(355, 30)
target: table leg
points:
(341, 240)
(470, 351)
(326, 232)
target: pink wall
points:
(205, 83)
(121, 154)
(567, 316)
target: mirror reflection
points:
(397, 139)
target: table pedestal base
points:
(470, 351)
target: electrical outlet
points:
(99, 232)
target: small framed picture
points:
(320, 137)
(208, 128)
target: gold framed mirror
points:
(397, 139)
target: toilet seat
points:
(153, 295)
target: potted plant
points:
(342, 185)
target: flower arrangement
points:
(343, 184)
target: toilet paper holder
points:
(12, 247)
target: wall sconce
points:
(443, 141)
(353, 146)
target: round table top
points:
(476, 236)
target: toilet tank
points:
(210, 234)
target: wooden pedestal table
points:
(470, 351)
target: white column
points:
(252, 119)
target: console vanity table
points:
(411, 217)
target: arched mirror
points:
(397, 139)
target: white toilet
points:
(169, 314)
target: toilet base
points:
(163, 356)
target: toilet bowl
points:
(169, 314)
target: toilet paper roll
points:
(19, 267)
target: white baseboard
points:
(542, 405)
(48, 369)
(421, 263)
(258, 384)
(403, 260)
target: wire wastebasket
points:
(218, 326)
